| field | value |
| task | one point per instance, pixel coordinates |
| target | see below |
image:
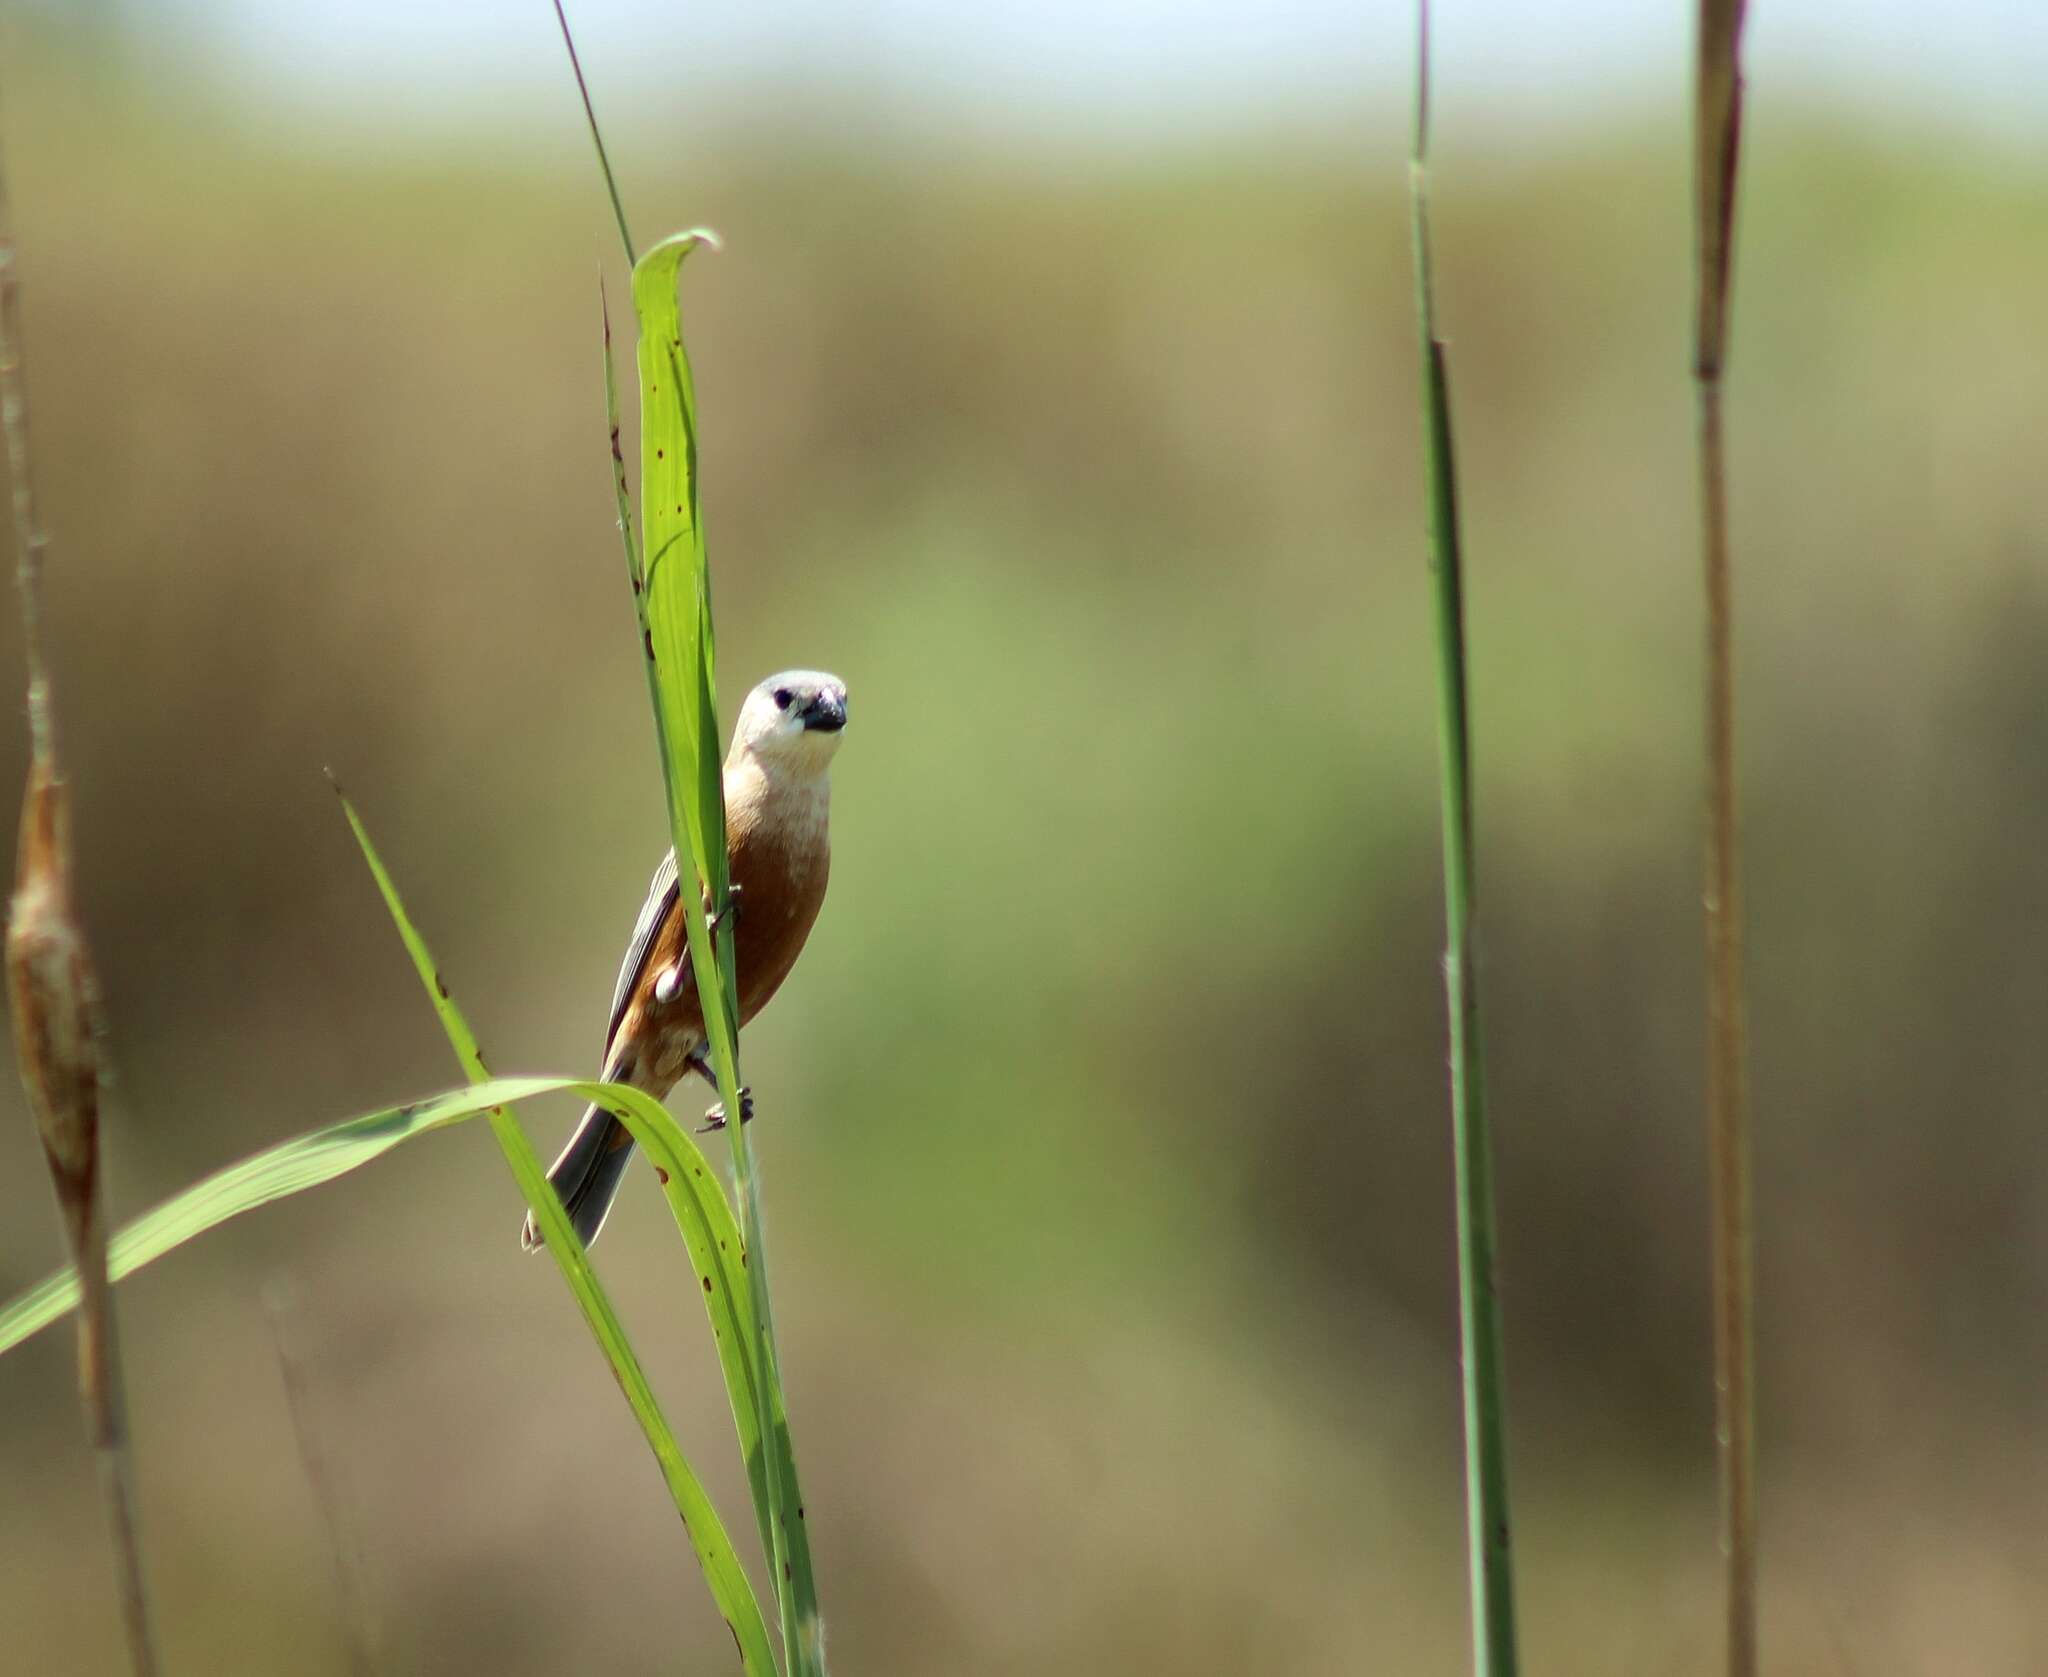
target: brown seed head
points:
(55, 998)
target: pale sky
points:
(1103, 67)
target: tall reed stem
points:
(55, 1003)
(1716, 138)
(1486, 1473)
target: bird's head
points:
(792, 723)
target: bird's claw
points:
(730, 912)
(714, 1115)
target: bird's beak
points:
(825, 714)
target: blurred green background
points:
(1103, 1125)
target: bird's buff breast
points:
(781, 869)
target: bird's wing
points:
(661, 898)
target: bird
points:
(777, 836)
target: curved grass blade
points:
(319, 1156)
(322, 1155)
(675, 616)
(290, 1167)
(694, 1197)
(307, 1161)
(730, 1586)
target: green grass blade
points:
(736, 1348)
(692, 1191)
(460, 1036)
(307, 1161)
(677, 640)
(730, 1586)
(676, 604)
(319, 1156)
(290, 1167)
(1486, 1474)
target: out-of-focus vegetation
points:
(1098, 483)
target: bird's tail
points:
(587, 1176)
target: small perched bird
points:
(777, 798)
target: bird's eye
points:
(782, 698)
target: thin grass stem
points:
(284, 1307)
(604, 162)
(1486, 1474)
(106, 1420)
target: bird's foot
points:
(731, 911)
(714, 1116)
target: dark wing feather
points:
(661, 899)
